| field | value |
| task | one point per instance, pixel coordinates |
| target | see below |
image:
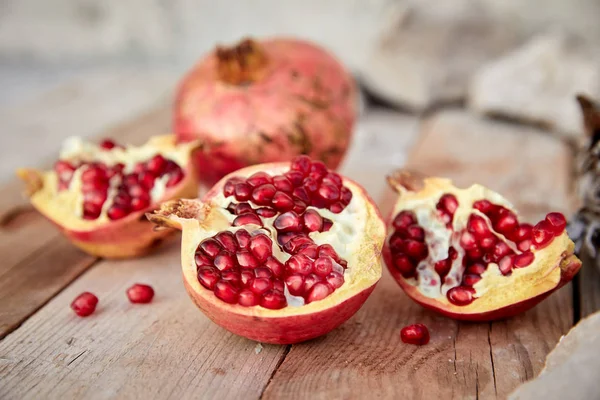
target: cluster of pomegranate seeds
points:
(84, 304)
(485, 240)
(415, 334)
(240, 268)
(140, 293)
(133, 191)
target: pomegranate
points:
(140, 293)
(466, 254)
(265, 101)
(415, 334)
(84, 304)
(98, 194)
(279, 252)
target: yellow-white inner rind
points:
(357, 236)
(499, 290)
(66, 206)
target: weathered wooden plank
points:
(166, 349)
(588, 288)
(365, 357)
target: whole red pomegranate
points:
(265, 101)
(465, 254)
(97, 194)
(280, 252)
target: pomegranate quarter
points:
(98, 194)
(279, 253)
(466, 254)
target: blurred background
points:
(77, 67)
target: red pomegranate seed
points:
(301, 164)
(227, 240)
(417, 334)
(448, 203)
(261, 285)
(225, 260)
(476, 269)
(258, 179)
(416, 232)
(275, 266)
(229, 187)
(523, 232)
(175, 177)
(242, 191)
(247, 219)
(156, 165)
(478, 226)
(336, 208)
(505, 265)
(474, 254)
(273, 299)
(467, 241)
(318, 170)
(328, 250)
(501, 249)
(260, 245)
(140, 203)
(91, 211)
(243, 208)
(296, 177)
(299, 206)
(288, 222)
(506, 223)
(97, 197)
(210, 247)
(262, 272)
(107, 144)
(247, 298)
(334, 179)
(226, 291)
(299, 264)
(93, 174)
(309, 250)
(442, 267)
(323, 266)
(471, 279)
(312, 221)
(64, 170)
(318, 292)
(485, 206)
(487, 243)
(284, 237)
(246, 259)
(147, 180)
(140, 293)
(523, 260)
(295, 284)
(415, 250)
(243, 238)
(266, 212)
(404, 219)
(461, 295)
(233, 276)
(524, 245)
(116, 212)
(296, 243)
(404, 265)
(301, 193)
(208, 276)
(396, 241)
(201, 259)
(282, 201)
(247, 276)
(137, 190)
(557, 221)
(327, 224)
(263, 194)
(335, 280)
(84, 304)
(542, 234)
(310, 184)
(345, 195)
(282, 184)
(329, 192)
(310, 281)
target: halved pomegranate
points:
(279, 253)
(465, 254)
(98, 194)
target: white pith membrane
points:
(357, 236)
(495, 290)
(66, 206)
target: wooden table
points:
(169, 349)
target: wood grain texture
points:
(37, 261)
(166, 349)
(365, 358)
(588, 288)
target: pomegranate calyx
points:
(242, 63)
(405, 179)
(172, 213)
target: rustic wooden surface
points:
(170, 350)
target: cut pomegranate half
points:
(98, 194)
(466, 254)
(290, 272)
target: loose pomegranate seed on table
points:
(140, 293)
(84, 304)
(417, 334)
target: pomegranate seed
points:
(329, 192)
(471, 279)
(477, 226)
(448, 203)
(474, 254)
(247, 219)
(299, 264)
(243, 238)
(243, 191)
(210, 247)
(117, 212)
(542, 234)
(260, 245)
(226, 291)
(229, 187)
(299, 206)
(91, 211)
(247, 276)
(467, 241)
(415, 250)
(416, 232)
(309, 250)
(262, 272)
(327, 224)
(335, 280)
(208, 277)
(396, 241)
(147, 180)
(295, 177)
(328, 250)
(140, 203)
(288, 222)
(122, 199)
(275, 266)
(84, 304)
(243, 208)
(225, 260)
(404, 219)
(282, 201)
(461, 295)
(157, 165)
(64, 170)
(247, 298)
(345, 195)
(282, 184)
(442, 267)
(507, 223)
(273, 299)
(404, 265)
(505, 265)
(263, 194)
(336, 180)
(259, 179)
(301, 164)
(97, 197)
(261, 285)
(524, 245)
(295, 284)
(107, 144)
(417, 334)
(232, 276)
(318, 170)
(488, 242)
(501, 249)
(476, 269)
(310, 281)
(523, 232)
(485, 206)
(310, 184)
(318, 292)
(557, 221)
(201, 259)
(140, 293)
(266, 212)
(227, 240)
(301, 193)
(137, 190)
(323, 266)
(336, 208)
(93, 174)
(246, 259)
(523, 260)
(313, 221)
(175, 177)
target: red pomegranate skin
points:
(301, 101)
